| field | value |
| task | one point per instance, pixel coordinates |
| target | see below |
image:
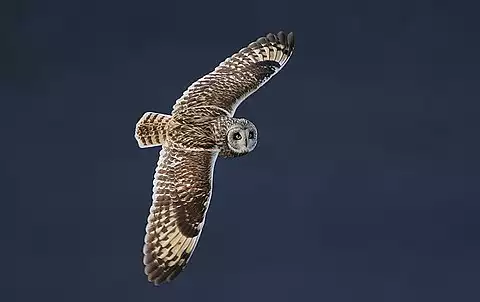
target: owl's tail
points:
(151, 129)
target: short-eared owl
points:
(200, 128)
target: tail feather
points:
(150, 130)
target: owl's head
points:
(241, 138)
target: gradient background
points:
(368, 192)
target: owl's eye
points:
(237, 136)
(251, 135)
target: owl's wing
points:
(236, 78)
(182, 189)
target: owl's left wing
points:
(236, 78)
(182, 189)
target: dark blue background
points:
(365, 184)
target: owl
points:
(200, 128)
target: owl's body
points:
(204, 134)
(200, 128)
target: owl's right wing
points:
(182, 189)
(221, 91)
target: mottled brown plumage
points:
(238, 76)
(200, 129)
(181, 194)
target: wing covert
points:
(238, 76)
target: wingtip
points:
(282, 37)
